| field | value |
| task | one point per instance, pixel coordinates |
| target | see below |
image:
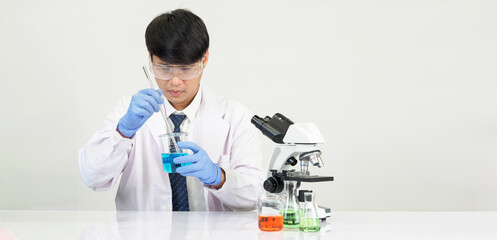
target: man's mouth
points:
(174, 93)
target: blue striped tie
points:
(178, 182)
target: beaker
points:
(310, 220)
(170, 152)
(291, 209)
(270, 218)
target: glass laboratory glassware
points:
(270, 218)
(309, 221)
(170, 152)
(291, 209)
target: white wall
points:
(403, 92)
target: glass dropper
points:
(162, 108)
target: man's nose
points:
(175, 80)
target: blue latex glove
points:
(143, 105)
(202, 168)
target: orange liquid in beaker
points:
(270, 223)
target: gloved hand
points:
(202, 168)
(143, 105)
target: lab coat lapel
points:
(210, 127)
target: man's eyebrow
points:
(161, 63)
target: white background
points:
(404, 92)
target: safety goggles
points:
(183, 72)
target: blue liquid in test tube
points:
(169, 165)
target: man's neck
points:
(180, 107)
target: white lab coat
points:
(222, 128)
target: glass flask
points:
(309, 221)
(270, 218)
(170, 151)
(291, 209)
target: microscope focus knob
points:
(273, 185)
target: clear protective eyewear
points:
(183, 72)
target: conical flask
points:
(309, 221)
(291, 210)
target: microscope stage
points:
(314, 178)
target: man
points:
(225, 174)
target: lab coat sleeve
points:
(244, 176)
(103, 158)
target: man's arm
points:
(105, 155)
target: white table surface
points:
(242, 225)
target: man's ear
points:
(206, 58)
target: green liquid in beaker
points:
(310, 225)
(169, 165)
(290, 219)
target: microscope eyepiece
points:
(274, 128)
(257, 121)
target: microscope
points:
(296, 144)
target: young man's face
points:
(179, 92)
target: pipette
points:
(162, 109)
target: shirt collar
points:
(191, 110)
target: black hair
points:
(177, 37)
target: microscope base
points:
(324, 213)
